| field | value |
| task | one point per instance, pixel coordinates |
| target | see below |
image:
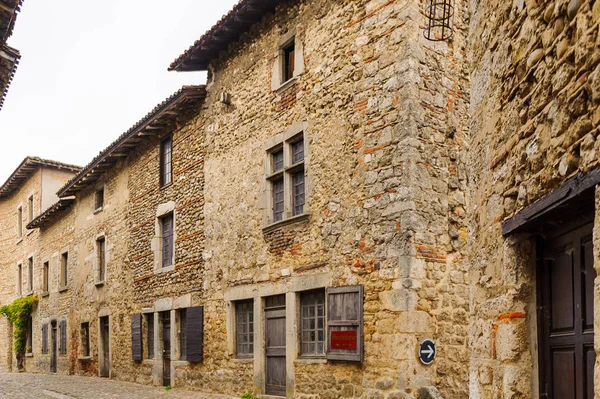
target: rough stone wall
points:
(534, 106)
(386, 117)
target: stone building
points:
(9, 57)
(340, 190)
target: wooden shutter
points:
(44, 338)
(63, 337)
(195, 334)
(136, 337)
(345, 323)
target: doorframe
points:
(101, 345)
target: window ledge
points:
(162, 187)
(30, 231)
(294, 219)
(243, 359)
(63, 289)
(29, 355)
(179, 362)
(148, 361)
(44, 294)
(285, 85)
(28, 293)
(84, 358)
(99, 284)
(98, 210)
(19, 240)
(164, 269)
(312, 360)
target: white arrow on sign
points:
(429, 351)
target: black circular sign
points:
(427, 351)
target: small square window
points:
(244, 328)
(99, 199)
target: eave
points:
(157, 122)
(52, 213)
(225, 32)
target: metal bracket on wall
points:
(439, 15)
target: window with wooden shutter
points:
(345, 323)
(136, 337)
(44, 339)
(195, 334)
(63, 338)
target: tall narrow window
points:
(29, 346)
(44, 339)
(20, 222)
(166, 153)
(19, 279)
(45, 276)
(287, 178)
(150, 323)
(64, 269)
(101, 258)
(312, 336)
(166, 222)
(288, 61)
(85, 339)
(244, 328)
(62, 342)
(30, 208)
(182, 334)
(30, 274)
(99, 199)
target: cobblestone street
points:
(43, 386)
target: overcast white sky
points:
(90, 69)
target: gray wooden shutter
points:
(63, 337)
(44, 338)
(194, 330)
(345, 323)
(136, 337)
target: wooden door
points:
(567, 315)
(105, 342)
(275, 345)
(53, 347)
(166, 338)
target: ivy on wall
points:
(18, 314)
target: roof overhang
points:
(228, 30)
(8, 15)
(27, 168)
(9, 60)
(52, 213)
(159, 121)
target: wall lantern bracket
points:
(439, 15)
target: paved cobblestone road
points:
(43, 386)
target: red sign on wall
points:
(345, 340)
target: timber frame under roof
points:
(228, 30)
(27, 168)
(51, 213)
(9, 57)
(159, 121)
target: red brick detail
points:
(431, 254)
(511, 315)
(288, 97)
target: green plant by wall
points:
(248, 395)
(18, 314)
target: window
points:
(99, 199)
(150, 342)
(45, 274)
(166, 154)
(85, 339)
(312, 327)
(44, 339)
(30, 274)
(30, 207)
(166, 223)
(19, 279)
(29, 344)
(62, 342)
(286, 177)
(288, 53)
(64, 269)
(20, 222)
(101, 258)
(244, 328)
(182, 334)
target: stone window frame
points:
(45, 277)
(284, 140)
(157, 242)
(30, 210)
(63, 270)
(316, 354)
(99, 198)
(30, 274)
(96, 260)
(236, 331)
(19, 282)
(161, 157)
(19, 223)
(277, 72)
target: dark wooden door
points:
(275, 345)
(53, 347)
(567, 315)
(105, 338)
(166, 338)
